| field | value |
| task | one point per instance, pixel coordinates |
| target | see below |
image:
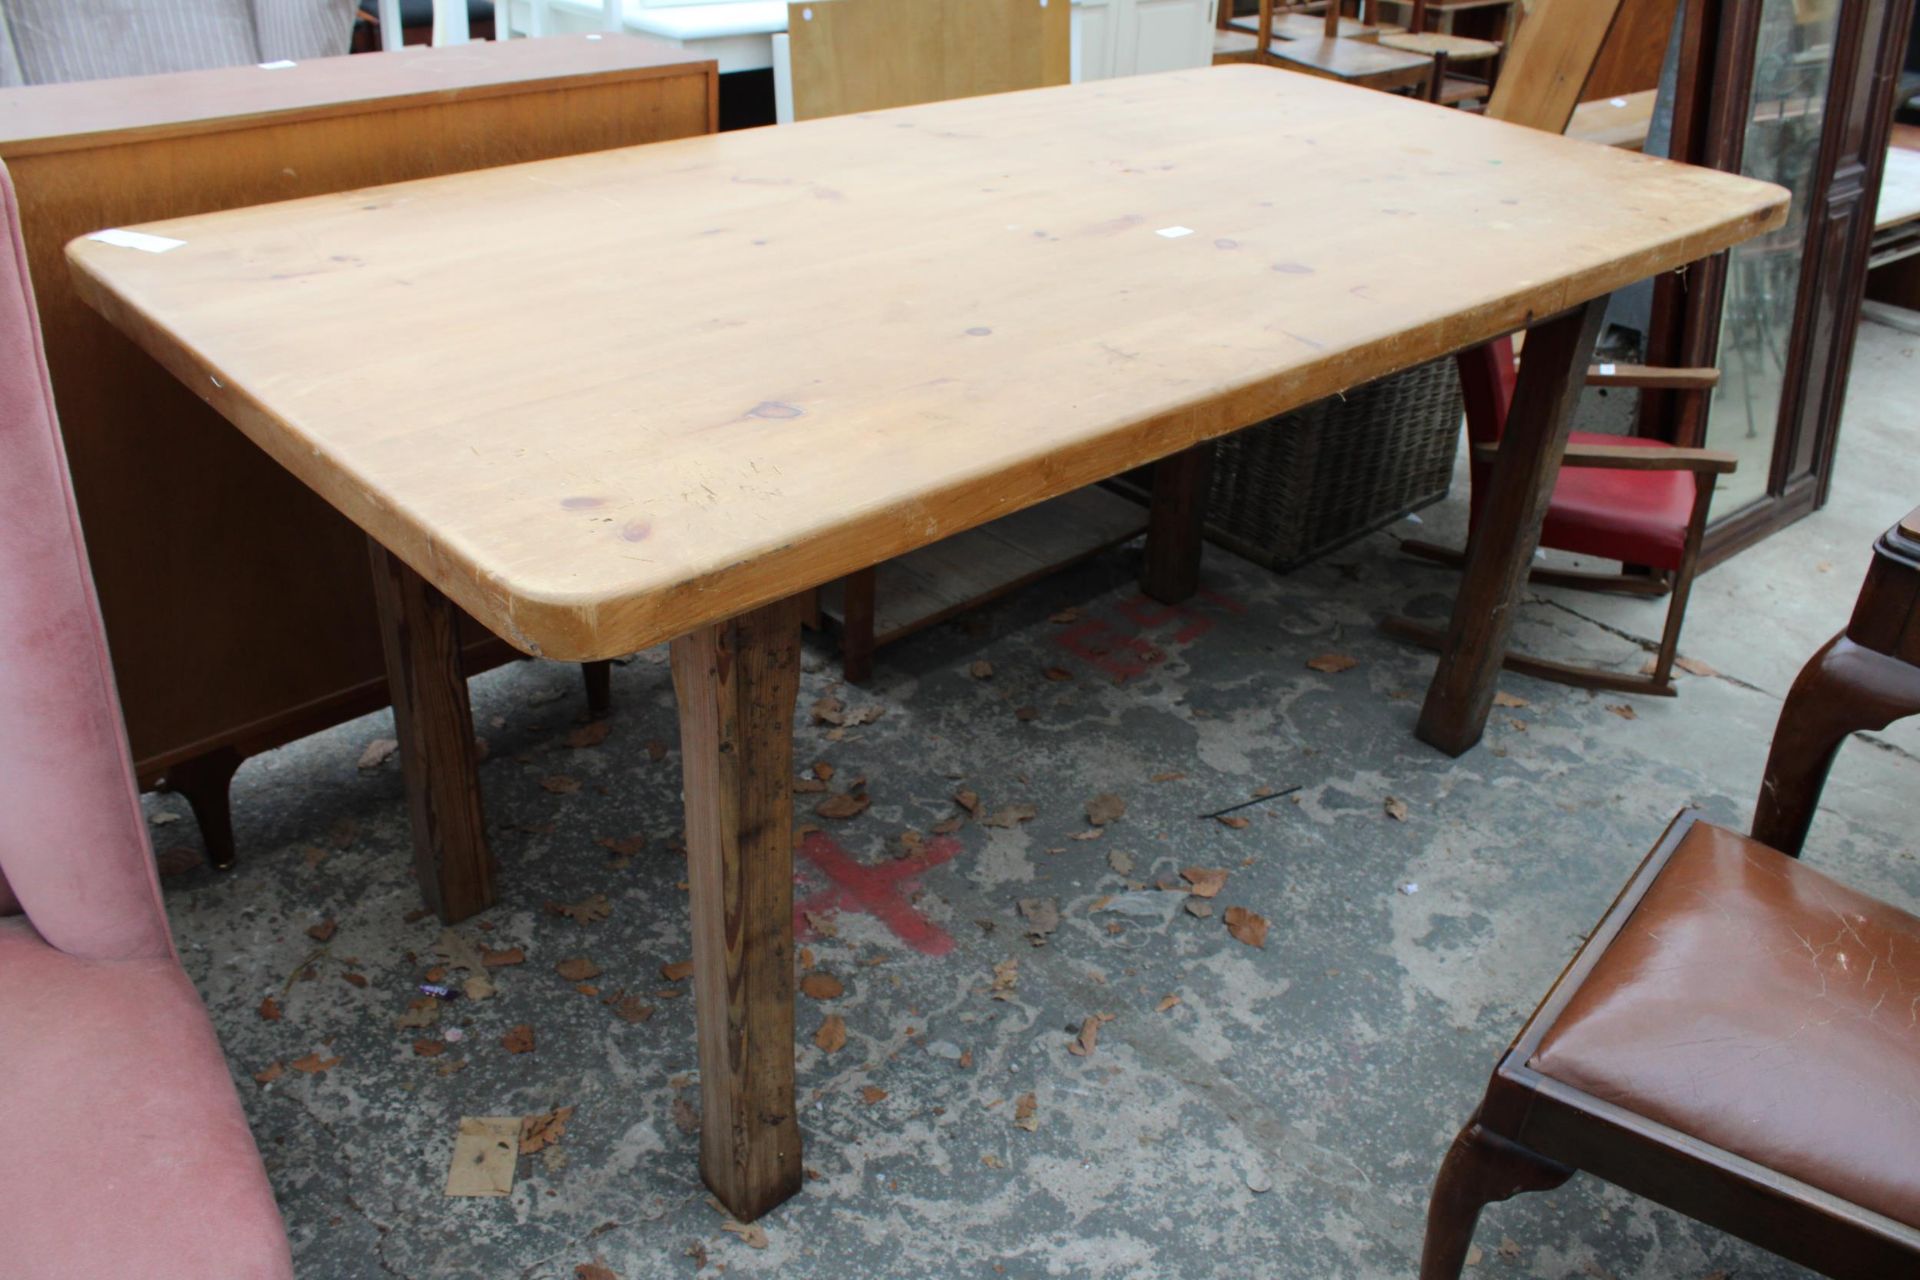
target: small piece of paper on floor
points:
(484, 1156)
(1174, 233)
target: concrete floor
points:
(1284, 1118)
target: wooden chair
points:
(1736, 1039)
(1641, 502)
(1364, 63)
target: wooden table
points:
(725, 370)
(194, 533)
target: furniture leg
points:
(1683, 581)
(737, 683)
(1500, 549)
(204, 780)
(1480, 1169)
(599, 680)
(419, 632)
(1843, 689)
(1177, 524)
(856, 628)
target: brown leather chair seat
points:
(1757, 1005)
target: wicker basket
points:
(1298, 486)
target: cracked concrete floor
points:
(1283, 1118)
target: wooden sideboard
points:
(238, 605)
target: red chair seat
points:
(1637, 517)
(129, 1153)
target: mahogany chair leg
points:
(856, 626)
(1480, 1169)
(1844, 689)
(420, 633)
(737, 682)
(1176, 525)
(1500, 551)
(206, 781)
(599, 681)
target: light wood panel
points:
(236, 602)
(748, 364)
(1549, 62)
(864, 55)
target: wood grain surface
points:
(612, 398)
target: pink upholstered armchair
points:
(128, 1154)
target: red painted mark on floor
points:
(1123, 652)
(884, 892)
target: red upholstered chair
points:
(129, 1154)
(1641, 502)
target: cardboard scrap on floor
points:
(484, 1156)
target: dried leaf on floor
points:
(502, 958)
(967, 800)
(1006, 978)
(870, 1094)
(1234, 821)
(1059, 675)
(1333, 663)
(422, 1012)
(271, 1072)
(478, 987)
(1082, 1045)
(1502, 698)
(1026, 1112)
(628, 1008)
(1695, 667)
(1104, 808)
(1247, 926)
(751, 1234)
(1199, 907)
(324, 931)
(1173, 776)
(832, 1035)
(542, 1131)
(828, 710)
(589, 910)
(1395, 808)
(1091, 833)
(1204, 882)
(841, 805)
(560, 784)
(1509, 1248)
(676, 971)
(377, 752)
(1121, 861)
(1166, 1003)
(981, 669)
(864, 715)
(822, 986)
(424, 1048)
(518, 1039)
(577, 969)
(1624, 711)
(314, 1064)
(589, 735)
(269, 1010)
(1042, 916)
(484, 1155)
(354, 979)
(686, 1116)
(1010, 816)
(594, 1271)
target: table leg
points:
(737, 682)
(1176, 525)
(420, 632)
(1500, 549)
